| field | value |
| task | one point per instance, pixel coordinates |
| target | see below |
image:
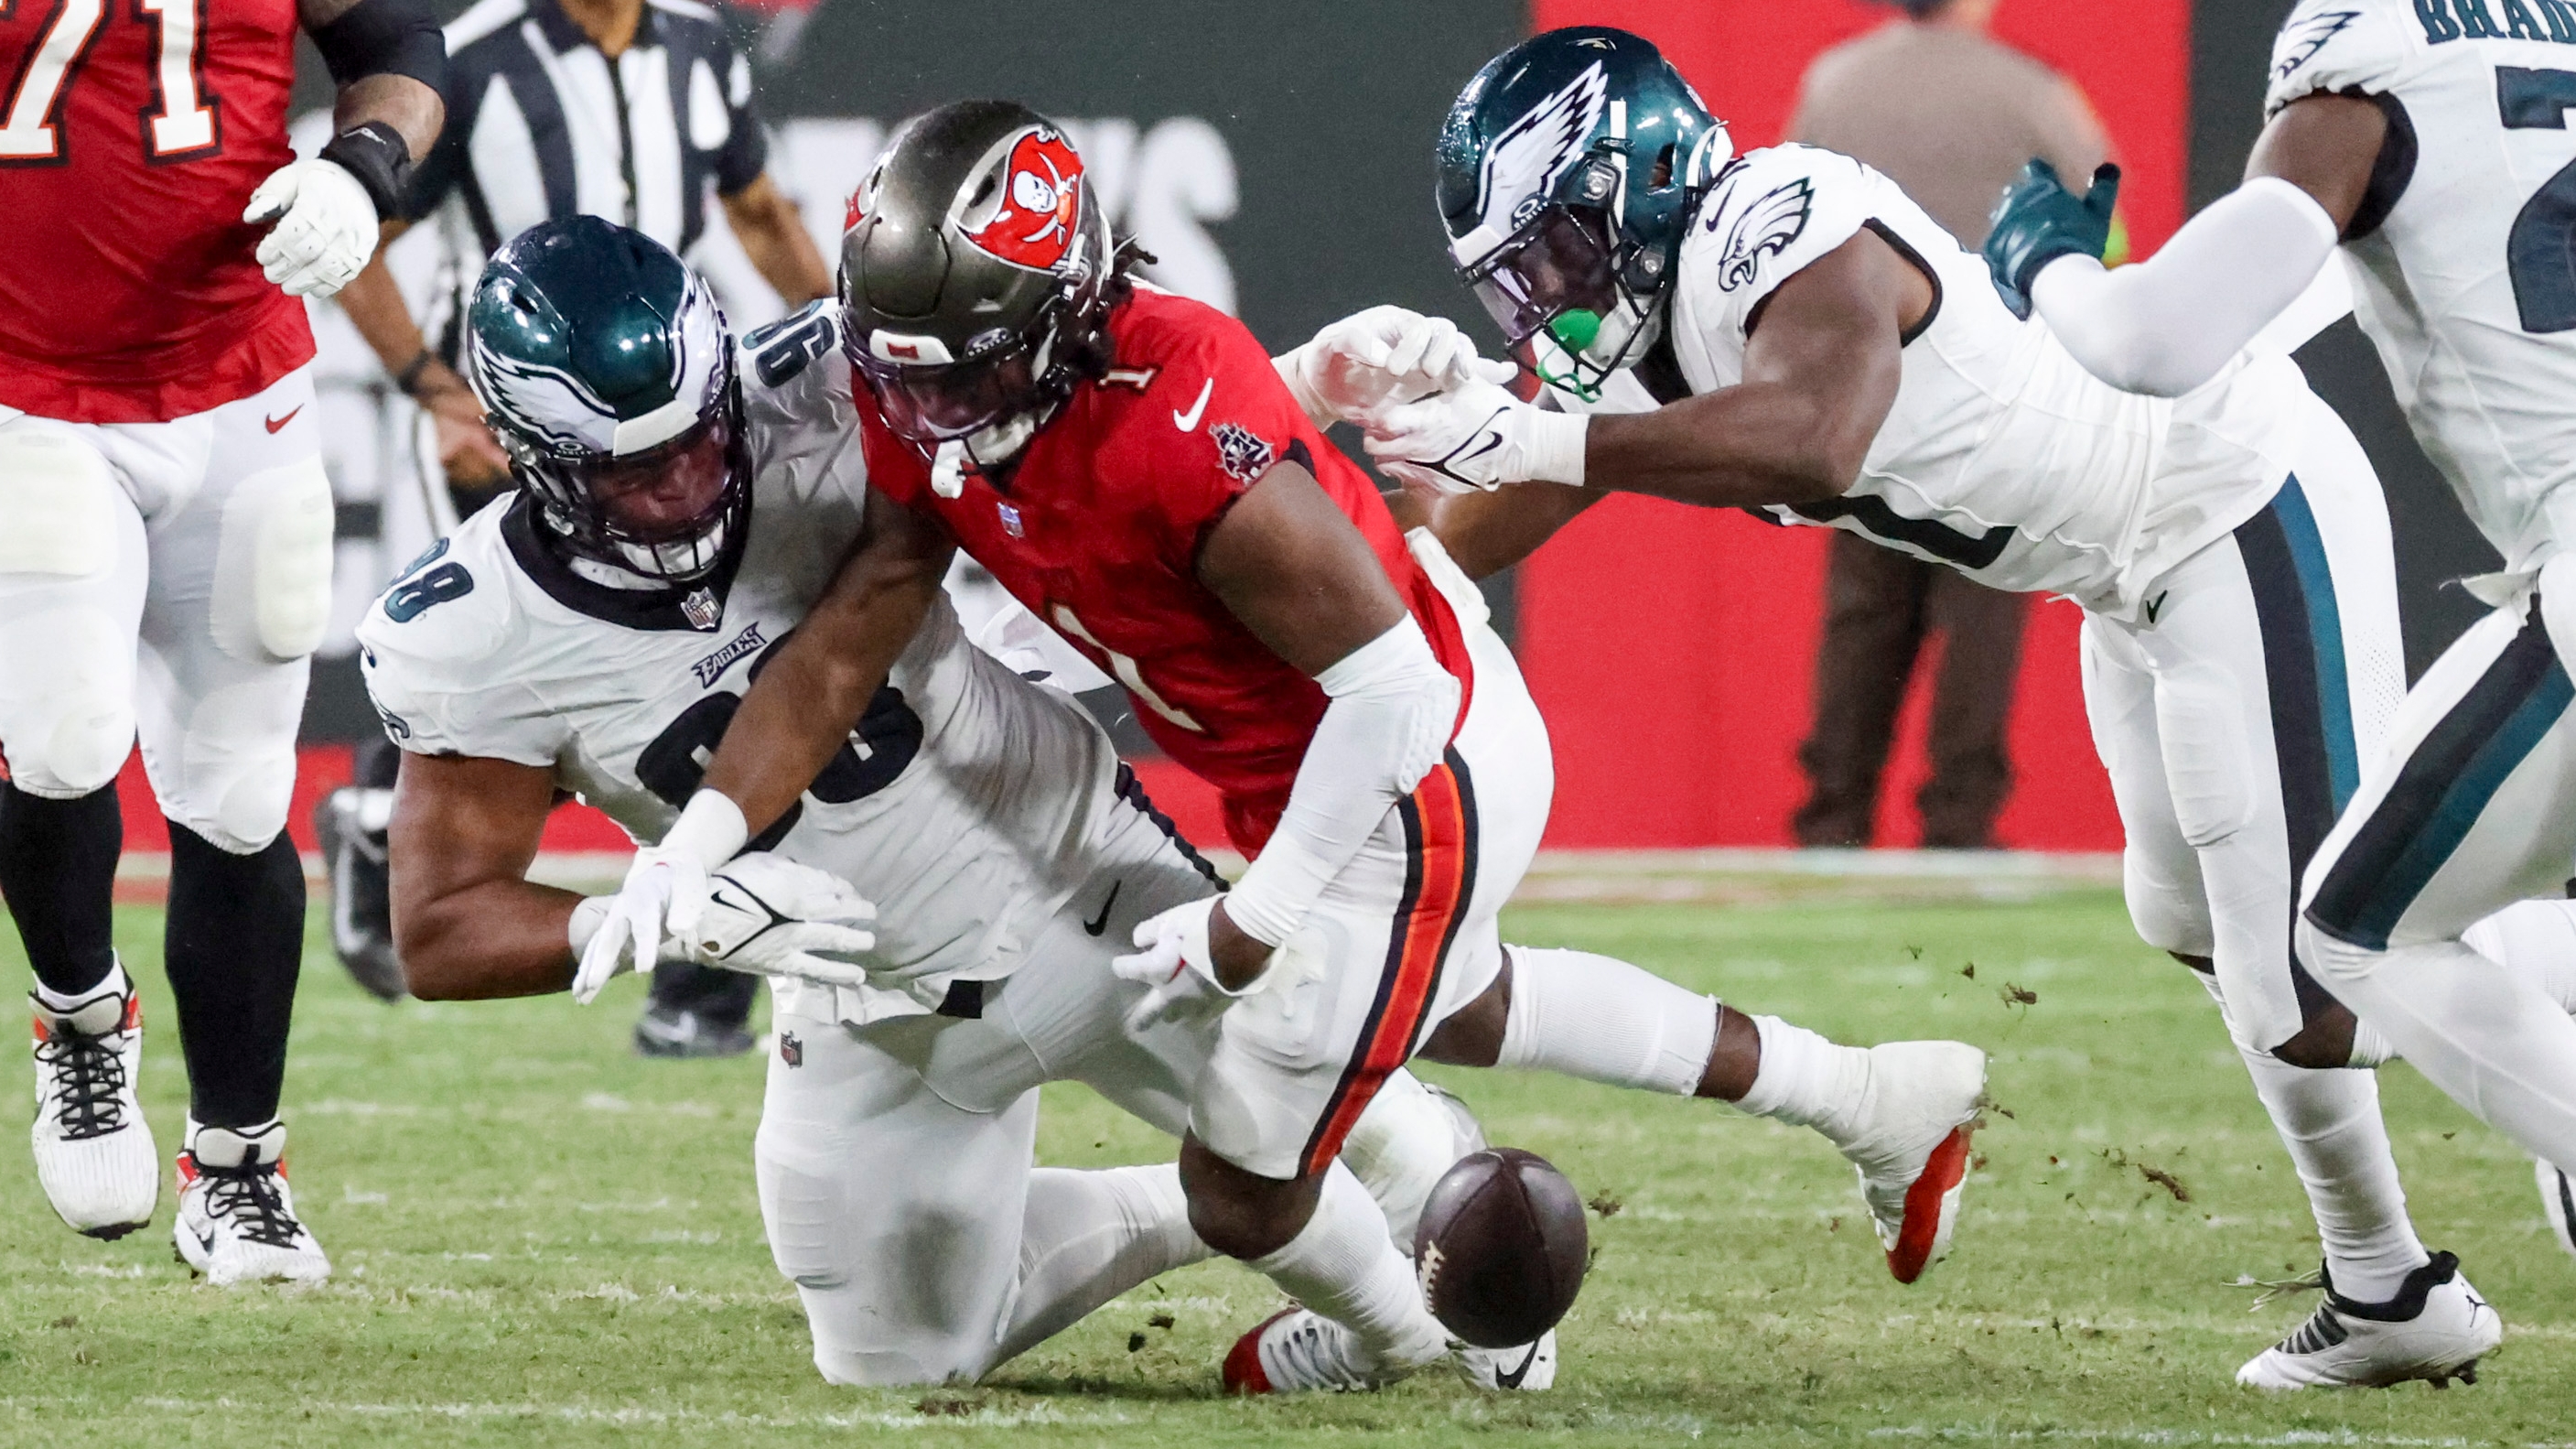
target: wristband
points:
(711, 829)
(376, 155)
(1556, 446)
(407, 381)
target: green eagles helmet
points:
(976, 271)
(1568, 171)
(609, 379)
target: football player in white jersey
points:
(2427, 142)
(559, 644)
(1785, 331)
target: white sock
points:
(1604, 1020)
(1342, 1265)
(1808, 1081)
(113, 981)
(1087, 1237)
(2330, 1122)
(2481, 1033)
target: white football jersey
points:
(2468, 286)
(965, 803)
(2002, 457)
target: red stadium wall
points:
(1673, 649)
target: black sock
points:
(58, 870)
(234, 944)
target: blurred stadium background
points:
(1277, 163)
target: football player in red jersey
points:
(165, 550)
(1135, 470)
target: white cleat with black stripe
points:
(2436, 1328)
(94, 1154)
(2558, 1203)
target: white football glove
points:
(1476, 436)
(771, 916)
(664, 899)
(326, 227)
(1385, 354)
(1176, 964)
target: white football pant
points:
(168, 579)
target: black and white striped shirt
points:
(541, 125)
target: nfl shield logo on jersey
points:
(1010, 520)
(701, 609)
(790, 1050)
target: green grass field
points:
(541, 1238)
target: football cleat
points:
(1299, 1351)
(1526, 1369)
(94, 1152)
(1911, 1149)
(2558, 1203)
(677, 1031)
(237, 1220)
(2434, 1329)
(350, 825)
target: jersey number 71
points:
(185, 125)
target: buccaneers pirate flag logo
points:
(1037, 206)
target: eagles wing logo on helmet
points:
(1039, 203)
(1762, 229)
(1524, 162)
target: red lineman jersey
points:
(134, 133)
(1096, 529)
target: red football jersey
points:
(1097, 526)
(134, 134)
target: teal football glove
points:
(2039, 220)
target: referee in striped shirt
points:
(622, 109)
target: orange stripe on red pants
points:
(1439, 830)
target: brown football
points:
(1501, 1248)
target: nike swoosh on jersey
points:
(274, 424)
(1100, 923)
(1188, 422)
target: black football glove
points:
(2039, 220)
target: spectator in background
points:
(632, 110)
(1950, 114)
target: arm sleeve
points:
(1391, 711)
(2338, 46)
(746, 148)
(2169, 324)
(1774, 213)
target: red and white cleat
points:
(94, 1155)
(1912, 1148)
(237, 1220)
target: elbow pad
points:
(1393, 709)
(384, 37)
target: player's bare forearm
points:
(374, 304)
(815, 686)
(468, 924)
(1820, 374)
(773, 235)
(398, 100)
(2327, 146)
(1486, 533)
